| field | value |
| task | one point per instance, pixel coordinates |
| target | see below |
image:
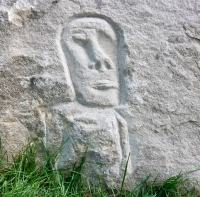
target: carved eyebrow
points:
(79, 36)
(79, 31)
(108, 35)
(82, 28)
(76, 30)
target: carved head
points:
(91, 46)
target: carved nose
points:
(100, 60)
(103, 65)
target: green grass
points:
(29, 177)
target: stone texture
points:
(159, 70)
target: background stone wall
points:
(161, 77)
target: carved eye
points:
(91, 66)
(108, 64)
(79, 37)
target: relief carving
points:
(91, 123)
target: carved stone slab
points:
(104, 77)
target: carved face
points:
(90, 46)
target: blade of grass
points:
(124, 176)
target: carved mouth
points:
(104, 84)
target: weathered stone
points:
(110, 77)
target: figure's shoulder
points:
(65, 108)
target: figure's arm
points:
(126, 114)
(57, 136)
(54, 134)
(124, 137)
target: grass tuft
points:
(175, 186)
(26, 176)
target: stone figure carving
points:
(91, 123)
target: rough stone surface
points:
(139, 91)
